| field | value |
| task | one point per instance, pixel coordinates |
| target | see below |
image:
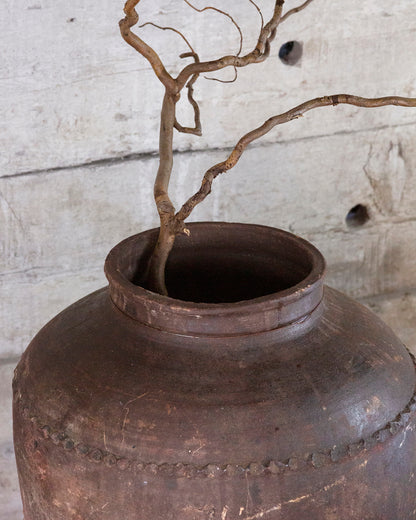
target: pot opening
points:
(223, 279)
(217, 276)
(220, 267)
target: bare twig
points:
(197, 115)
(259, 11)
(172, 223)
(257, 55)
(294, 11)
(164, 205)
(139, 45)
(156, 269)
(169, 29)
(225, 80)
(209, 8)
(169, 225)
(294, 113)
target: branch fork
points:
(172, 222)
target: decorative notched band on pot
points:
(178, 470)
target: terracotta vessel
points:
(271, 397)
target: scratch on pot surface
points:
(262, 513)
(126, 413)
(278, 507)
(298, 499)
(98, 384)
(105, 440)
(407, 429)
(224, 513)
(331, 326)
(206, 510)
(201, 445)
(314, 389)
(248, 494)
(336, 483)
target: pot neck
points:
(284, 272)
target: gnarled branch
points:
(294, 11)
(172, 223)
(294, 113)
(224, 80)
(170, 226)
(143, 48)
(259, 11)
(196, 130)
(257, 55)
(162, 28)
(224, 13)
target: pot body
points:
(296, 404)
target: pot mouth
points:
(224, 279)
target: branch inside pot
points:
(172, 222)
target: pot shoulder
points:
(119, 388)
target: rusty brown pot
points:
(283, 400)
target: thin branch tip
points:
(224, 13)
(179, 33)
(257, 55)
(294, 113)
(295, 10)
(142, 47)
(172, 221)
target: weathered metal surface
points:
(298, 404)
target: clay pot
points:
(271, 397)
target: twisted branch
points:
(225, 80)
(139, 45)
(294, 11)
(209, 8)
(172, 223)
(169, 29)
(170, 226)
(257, 55)
(290, 115)
(197, 130)
(259, 11)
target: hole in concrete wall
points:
(290, 52)
(357, 216)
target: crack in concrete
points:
(153, 154)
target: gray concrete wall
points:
(78, 140)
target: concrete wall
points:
(78, 135)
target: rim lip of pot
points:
(272, 311)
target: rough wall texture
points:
(78, 135)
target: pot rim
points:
(255, 315)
